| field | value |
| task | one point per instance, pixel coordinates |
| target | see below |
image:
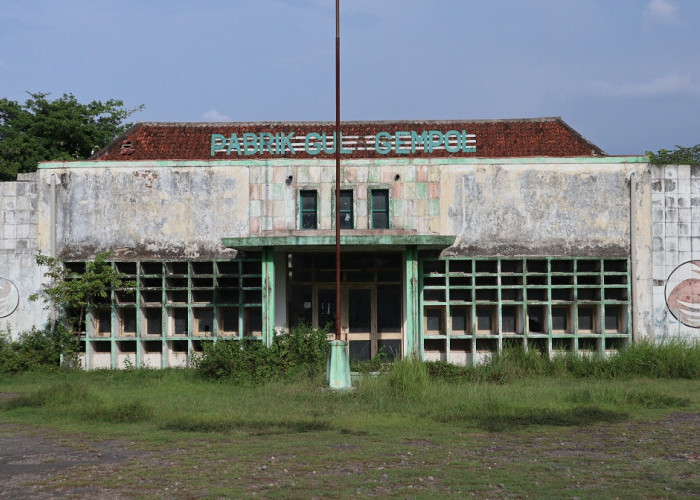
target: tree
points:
(76, 292)
(62, 129)
(678, 156)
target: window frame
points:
(373, 210)
(351, 210)
(303, 211)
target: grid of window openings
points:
(172, 308)
(474, 307)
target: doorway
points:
(371, 298)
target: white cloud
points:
(666, 85)
(4, 66)
(662, 12)
(213, 115)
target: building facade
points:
(458, 238)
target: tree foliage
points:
(678, 156)
(55, 130)
(75, 292)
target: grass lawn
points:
(182, 436)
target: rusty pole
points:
(337, 170)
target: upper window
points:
(380, 208)
(308, 208)
(347, 219)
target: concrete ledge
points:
(381, 239)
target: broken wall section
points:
(19, 275)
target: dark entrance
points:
(371, 295)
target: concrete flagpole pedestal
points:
(338, 365)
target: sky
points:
(624, 73)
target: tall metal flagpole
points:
(337, 170)
(338, 366)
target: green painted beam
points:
(413, 333)
(329, 240)
(396, 162)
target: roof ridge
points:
(348, 122)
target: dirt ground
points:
(27, 458)
(35, 465)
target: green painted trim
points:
(268, 299)
(550, 280)
(547, 160)
(412, 333)
(327, 240)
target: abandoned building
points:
(458, 238)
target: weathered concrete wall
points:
(529, 208)
(146, 209)
(19, 275)
(676, 251)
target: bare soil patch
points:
(29, 459)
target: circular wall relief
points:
(9, 297)
(683, 293)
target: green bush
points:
(36, 348)
(301, 351)
(302, 348)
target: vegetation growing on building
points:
(678, 156)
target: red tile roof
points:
(493, 139)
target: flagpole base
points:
(338, 365)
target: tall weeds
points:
(674, 359)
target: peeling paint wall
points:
(543, 209)
(138, 212)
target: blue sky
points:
(624, 73)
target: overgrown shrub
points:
(302, 348)
(36, 348)
(301, 351)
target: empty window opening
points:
(459, 320)
(154, 321)
(434, 320)
(536, 319)
(103, 328)
(128, 322)
(180, 321)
